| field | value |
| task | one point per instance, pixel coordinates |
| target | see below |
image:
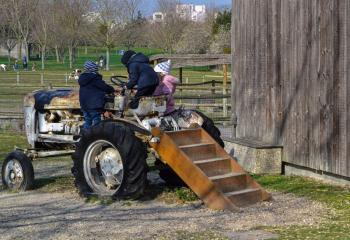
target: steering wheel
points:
(117, 80)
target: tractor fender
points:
(132, 125)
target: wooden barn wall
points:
(291, 73)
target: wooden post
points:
(180, 74)
(224, 91)
(213, 87)
(17, 77)
(42, 79)
(66, 76)
(180, 78)
(225, 75)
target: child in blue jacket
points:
(141, 74)
(92, 94)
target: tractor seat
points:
(150, 105)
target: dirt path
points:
(41, 215)
(35, 215)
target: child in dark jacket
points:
(92, 94)
(140, 74)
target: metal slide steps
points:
(207, 169)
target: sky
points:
(149, 5)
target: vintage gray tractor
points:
(110, 158)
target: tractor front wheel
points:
(17, 172)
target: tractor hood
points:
(53, 99)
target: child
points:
(92, 94)
(140, 74)
(33, 67)
(167, 85)
(16, 66)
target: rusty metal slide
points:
(207, 169)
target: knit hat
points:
(164, 67)
(90, 66)
(126, 56)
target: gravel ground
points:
(40, 215)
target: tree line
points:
(60, 26)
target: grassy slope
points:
(336, 226)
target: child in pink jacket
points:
(167, 84)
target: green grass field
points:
(13, 87)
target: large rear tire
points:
(167, 174)
(209, 126)
(110, 161)
(17, 172)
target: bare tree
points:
(131, 8)
(7, 36)
(221, 42)
(167, 6)
(195, 39)
(108, 23)
(58, 41)
(70, 15)
(166, 34)
(133, 32)
(20, 14)
(41, 30)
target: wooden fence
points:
(210, 97)
(291, 74)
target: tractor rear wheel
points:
(110, 161)
(209, 126)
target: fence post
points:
(17, 79)
(224, 102)
(224, 91)
(213, 86)
(180, 74)
(66, 76)
(42, 78)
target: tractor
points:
(110, 158)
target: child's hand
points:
(107, 114)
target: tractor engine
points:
(59, 122)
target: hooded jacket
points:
(92, 91)
(140, 72)
(167, 87)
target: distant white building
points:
(190, 12)
(92, 16)
(158, 17)
(195, 13)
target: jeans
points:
(91, 118)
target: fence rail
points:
(210, 96)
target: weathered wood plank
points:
(313, 96)
(347, 85)
(292, 70)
